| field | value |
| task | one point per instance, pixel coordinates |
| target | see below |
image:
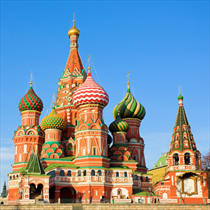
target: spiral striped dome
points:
(90, 93)
(53, 121)
(129, 107)
(119, 125)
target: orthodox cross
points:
(53, 99)
(128, 75)
(31, 79)
(180, 89)
(89, 60)
(73, 16)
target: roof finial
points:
(89, 68)
(47, 111)
(180, 89)
(74, 17)
(53, 99)
(31, 80)
(128, 83)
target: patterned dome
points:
(30, 101)
(119, 125)
(90, 93)
(129, 107)
(53, 120)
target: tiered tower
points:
(184, 181)
(53, 125)
(72, 77)
(29, 136)
(91, 132)
(183, 153)
(133, 113)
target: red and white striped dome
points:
(90, 93)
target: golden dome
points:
(73, 30)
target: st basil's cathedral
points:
(70, 157)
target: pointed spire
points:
(89, 68)
(128, 83)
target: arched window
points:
(141, 179)
(14, 177)
(187, 158)
(10, 178)
(75, 122)
(99, 172)
(92, 173)
(147, 179)
(122, 158)
(62, 173)
(70, 147)
(79, 173)
(117, 174)
(136, 177)
(84, 173)
(69, 173)
(125, 174)
(94, 151)
(176, 159)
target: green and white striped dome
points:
(129, 107)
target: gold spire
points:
(89, 68)
(31, 80)
(73, 30)
(128, 83)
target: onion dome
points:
(129, 107)
(53, 121)
(73, 30)
(119, 125)
(30, 101)
(180, 97)
(90, 93)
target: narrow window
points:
(62, 173)
(136, 177)
(187, 158)
(176, 159)
(92, 173)
(94, 151)
(84, 173)
(93, 117)
(147, 179)
(117, 174)
(69, 173)
(125, 174)
(99, 172)
(76, 122)
(122, 158)
(79, 173)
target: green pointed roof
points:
(34, 165)
(182, 129)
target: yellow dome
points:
(53, 121)
(73, 30)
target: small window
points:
(84, 173)
(122, 158)
(62, 173)
(117, 174)
(93, 117)
(92, 173)
(162, 183)
(69, 173)
(99, 172)
(94, 151)
(136, 177)
(147, 179)
(75, 122)
(79, 173)
(125, 174)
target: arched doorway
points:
(36, 192)
(52, 194)
(68, 195)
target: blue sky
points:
(164, 44)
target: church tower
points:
(72, 77)
(183, 153)
(132, 112)
(29, 136)
(91, 133)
